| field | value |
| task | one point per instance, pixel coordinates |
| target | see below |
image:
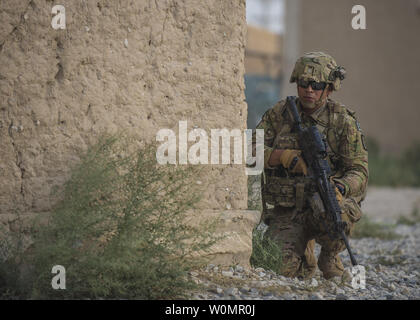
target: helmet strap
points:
(318, 104)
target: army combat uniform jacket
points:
(346, 146)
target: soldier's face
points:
(311, 98)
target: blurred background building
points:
(263, 56)
(382, 61)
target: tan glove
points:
(293, 157)
(338, 195)
(339, 190)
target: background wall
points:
(138, 65)
(382, 61)
(263, 77)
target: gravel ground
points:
(392, 266)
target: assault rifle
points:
(314, 152)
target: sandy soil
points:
(385, 204)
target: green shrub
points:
(366, 228)
(410, 220)
(266, 253)
(254, 194)
(389, 170)
(411, 160)
(14, 279)
(120, 229)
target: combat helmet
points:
(319, 67)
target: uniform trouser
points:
(297, 232)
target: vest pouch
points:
(280, 191)
(286, 141)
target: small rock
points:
(405, 291)
(313, 283)
(281, 283)
(232, 291)
(210, 267)
(336, 280)
(126, 43)
(254, 291)
(217, 290)
(412, 282)
(227, 273)
(244, 289)
(391, 286)
(283, 278)
(341, 296)
(339, 291)
(239, 269)
(316, 296)
(263, 284)
(193, 273)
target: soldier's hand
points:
(291, 159)
(338, 194)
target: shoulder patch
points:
(364, 142)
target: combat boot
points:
(308, 266)
(330, 264)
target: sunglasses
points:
(314, 85)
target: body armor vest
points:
(281, 188)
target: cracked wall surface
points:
(138, 66)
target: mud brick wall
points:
(138, 65)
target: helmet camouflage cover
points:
(319, 67)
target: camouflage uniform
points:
(291, 220)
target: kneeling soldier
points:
(286, 185)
